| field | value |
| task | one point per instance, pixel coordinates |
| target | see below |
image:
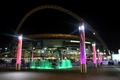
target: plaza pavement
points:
(103, 72)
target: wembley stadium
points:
(50, 46)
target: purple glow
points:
(100, 58)
(82, 46)
(94, 52)
(18, 56)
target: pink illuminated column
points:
(19, 50)
(32, 57)
(100, 58)
(94, 54)
(82, 49)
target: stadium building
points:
(55, 46)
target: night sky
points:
(102, 15)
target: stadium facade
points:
(54, 46)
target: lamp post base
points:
(83, 68)
(99, 64)
(95, 66)
(17, 66)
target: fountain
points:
(66, 63)
(46, 64)
(42, 64)
(33, 63)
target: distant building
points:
(53, 46)
(46, 45)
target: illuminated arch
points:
(65, 11)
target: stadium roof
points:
(55, 36)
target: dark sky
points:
(102, 15)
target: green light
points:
(46, 64)
(64, 64)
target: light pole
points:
(94, 54)
(19, 51)
(82, 50)
(32, 57)
(98, 56)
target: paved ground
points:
(101, 73)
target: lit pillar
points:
(19, 50)
(94, 54)
(118, 54)
(100, 57)
(32, 57)
(82, 50)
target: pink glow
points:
(19, 50)
(94, 52)
(32, 55)
(100, 58)
(82, 46)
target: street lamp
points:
(32, 57)
(94, 54)
(19, 51)
(82, 49)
